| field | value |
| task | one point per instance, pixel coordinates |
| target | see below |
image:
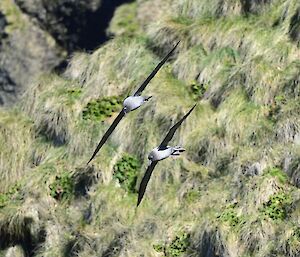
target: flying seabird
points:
(131, 103)
(161, 152)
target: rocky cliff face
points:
(25, 52)
(66, 20)
(37, 36)
(234, 192)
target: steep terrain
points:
(234, 192)
(37, 36)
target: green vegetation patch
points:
(62, 188)
(9, 195)
(124, 21)
(126, 170)
(293, 243)
(230, 216)
(101, 109)
(278, 206)
(278, 173)
(177, 247)
(198, 89)
(192, 196)
(74, 93)
(68, 97)
(14, 16)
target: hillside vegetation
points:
(233, 193)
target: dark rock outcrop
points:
(66, 20)
(7, 87)
(47, 33)
(3, 24)
(212, 244)
(294, 29)
(25, 54)
(75, 24)
(291, 165)
(253, 6)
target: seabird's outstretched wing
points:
(107, 133)
(145, 181)
(172, 131)
(153, 73)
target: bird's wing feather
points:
(153, 73)
(145, 181)
(107, 133)
(172, 131)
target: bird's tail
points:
(146, 98)
(177, 150)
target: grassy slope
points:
(224, 192)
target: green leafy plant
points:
(3, 200)
(63, 187)
(280, 99)
(125, 171)
(230, 216)
(198, 90)
(9, 195)
(159, 248)
(102, 108)
(273, 112)
(278, 173)
(124, 21)
(278, 206)
(177, 247)
(74, 93)
(192, 196)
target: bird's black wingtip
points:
(176, 45)
(89, 162)
(140, 198)
(193, 108)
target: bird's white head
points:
(150, 157)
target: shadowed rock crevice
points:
(7, 87)
(212, 244)
(294, 29)
(253, 6)
(74, 24)
(116, 246)
(3, 24)
(22, 236)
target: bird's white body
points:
(133, 102)
(158, 154)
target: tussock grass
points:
(116, 68)
(245, 123)
(125, 22)
(16, 136)
(194, 8)
(22, 224)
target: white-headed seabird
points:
(161, 152)
(131, 103)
